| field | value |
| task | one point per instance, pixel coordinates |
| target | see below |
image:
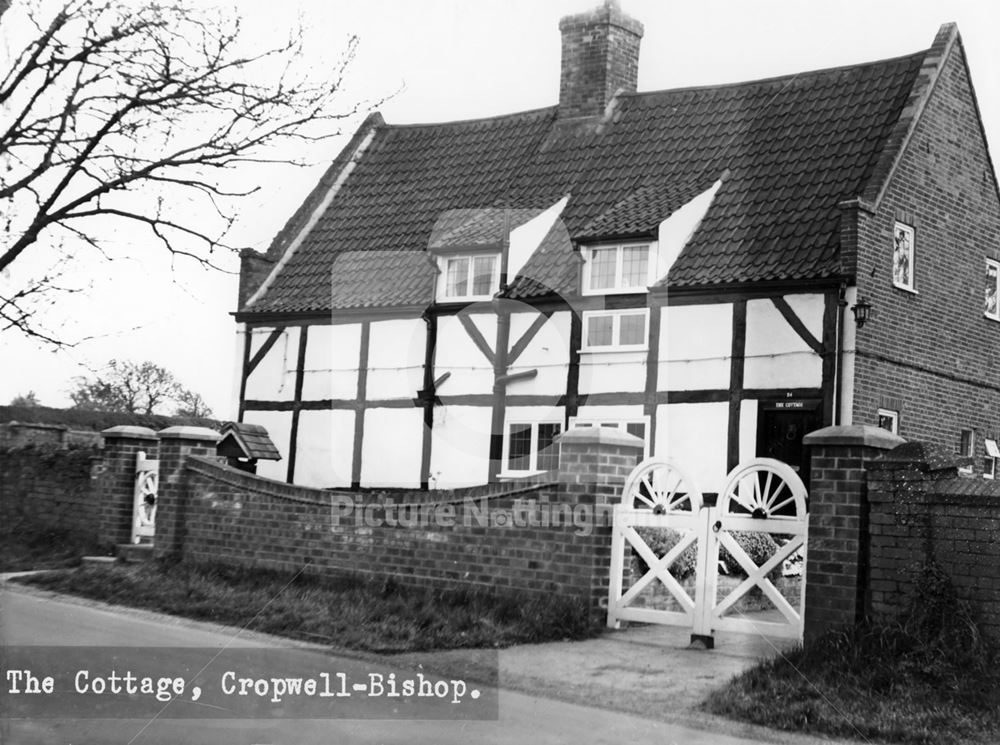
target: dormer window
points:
(470, 277)
(616, 269)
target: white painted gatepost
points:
(763, 500)
(147, 479)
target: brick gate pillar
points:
(176, 444)
(594, 463)
(837, 554)
(117, 480)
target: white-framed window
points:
(528, 446)
(992, 289)
(966, 447)
(469, 277)
(638, 426)
(606, 330)
(617, 269)
(889, 420)
(903, 256)
(992, 458)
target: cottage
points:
(717, 270)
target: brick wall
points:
(933, 353)
(920, 509)
(533, 538)
(50, 487)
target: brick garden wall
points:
(920, 510)
(48, 487)
(503, 538)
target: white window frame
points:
(617, 289)
(911, 232)
(620, 424)
(972, 447)
(996, 265)
(993, 457)
(893, 415)
(533, 460)
(615, 345)
(443, 295)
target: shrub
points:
(759, 547)
(661, 540)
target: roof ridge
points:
(776, 78)
(479, 120)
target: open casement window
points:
(638, 427)
(608, 330)
(529, 447)
(991, 460)
(903, 257)
(889, 420)
(470, 277)
(992, 289)
(616, 269)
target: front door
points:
(781, 425)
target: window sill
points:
(910, 290)
(616, 350)
(515, 475)
(988, 317)
(644, 290)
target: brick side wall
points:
(917, 514)
(531, 538)
(934, 351)
(50, 487)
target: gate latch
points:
(717, 527)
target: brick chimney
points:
(600, 55)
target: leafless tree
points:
(142, 112)
(136, 388)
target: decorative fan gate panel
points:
(762, 510)
(147, 482)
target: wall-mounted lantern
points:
(862, 311)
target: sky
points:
(443, 60)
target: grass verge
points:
(346, 611)
(927, 677)
(42, 548)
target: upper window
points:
(610, 269)
(470, 277)
(903, 256)
(993, 289)
(529, 446)
(889, 420)
(615, 329)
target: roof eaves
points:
(923, 86)
(316, 204)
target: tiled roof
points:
(252, 440)
(794, 147)
(476, 227)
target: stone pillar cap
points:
(864, 435)
(601, 435)
(202, 434)
(129, 432)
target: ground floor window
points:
(992, 457)
(528, 446)
(889, 420)
(966, 447)
(638, 427)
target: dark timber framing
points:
(359, 416)
(293, 444)
(736, 392)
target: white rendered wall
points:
(776, 356)
(331, 364)
(279, 428)
(390, 450)
(325, 448)
(461, 446)
(456, 353)
(748, 429)
(612, 372)
(274, 377)
(695, 347)
(695, 437)
(396, 350)
(548, 352)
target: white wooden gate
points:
(763, 505)
(147, 481)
